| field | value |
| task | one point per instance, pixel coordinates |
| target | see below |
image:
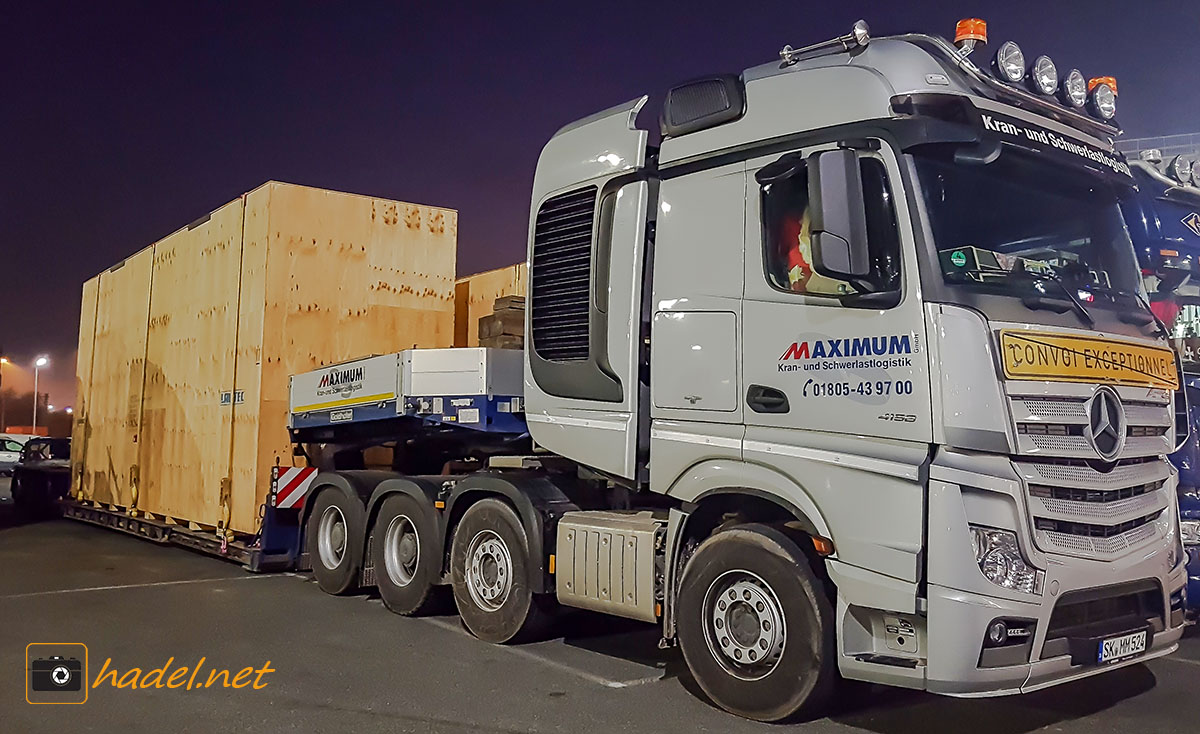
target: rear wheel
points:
(404, 552)
(490, 569)
(755, 627)
(334, 534)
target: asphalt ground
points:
(346, 664)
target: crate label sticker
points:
(468, 415)
(236, 397)
(339, 416)
(1031, 355)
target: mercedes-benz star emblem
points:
(1106, 423)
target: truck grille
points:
(1089, 509)
(560, 278)
(1055, 427)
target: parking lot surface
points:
(346, 664)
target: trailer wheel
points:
(333, 532)
(490, 573)
(755, 627)
(405, 554)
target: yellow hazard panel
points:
(1029, 355)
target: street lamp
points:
(3, 361)
(39, 363)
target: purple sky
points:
(123, 122)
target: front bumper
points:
(958, 621)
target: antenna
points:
(858, 37)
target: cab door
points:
(837, 390)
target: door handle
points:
(762, 399)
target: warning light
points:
(1111, 81)
(1169, 253)
(971, 29)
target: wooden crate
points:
(474, 296)
(283, 280)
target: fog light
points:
(1010, 62)
(1043, 76)
(1104, 102)
(1073, 89)
(997, 633)
(999, 557)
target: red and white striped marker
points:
(292, 485)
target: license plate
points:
(1121, 648)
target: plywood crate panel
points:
(345, 276)
(117, 373)
(475, 295)
(81, 426)
(185, 451)
(282, 280)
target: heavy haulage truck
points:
(852, 376)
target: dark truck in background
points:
(1164, 224)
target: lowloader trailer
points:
(852, 376)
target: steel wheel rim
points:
(401, 550)
(331, 537)
(744, 626)
(489, 571)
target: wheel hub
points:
(401, 550)
(489, 570)
(744, 624)
(331, 537)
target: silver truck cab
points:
(887, 295)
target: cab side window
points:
(787, 224)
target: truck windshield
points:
(1013, 226)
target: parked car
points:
(42, 475)
(10, 454)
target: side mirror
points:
(839, 218)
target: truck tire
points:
(490, 565)
(406, 555)
(334, 533)
(756, 629)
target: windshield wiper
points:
(1160, 329)
(1038, 301)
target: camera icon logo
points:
(57, 673)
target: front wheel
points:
(755, 626)
(490, 569)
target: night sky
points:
(121, 123)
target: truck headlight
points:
(1189, 532)
(999, 557)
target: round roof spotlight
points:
(1073, 90)
(1195, 175)
(1010, 62)
(1043, 75)
(1180, 169)
(1104, 102)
